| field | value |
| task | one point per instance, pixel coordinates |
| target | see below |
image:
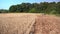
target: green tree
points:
(3, 11)
(13, 8)
(33, 10)
(58, 7)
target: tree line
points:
(43, 7)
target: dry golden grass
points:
(25, 23)
(16, 23)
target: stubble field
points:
(29, 23)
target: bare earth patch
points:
(46, 24)
(29, 23)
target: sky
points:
(5, 4)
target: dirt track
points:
(29, 23)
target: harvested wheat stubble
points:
(27, 23)
(16, 23)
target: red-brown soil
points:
(46, 24)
